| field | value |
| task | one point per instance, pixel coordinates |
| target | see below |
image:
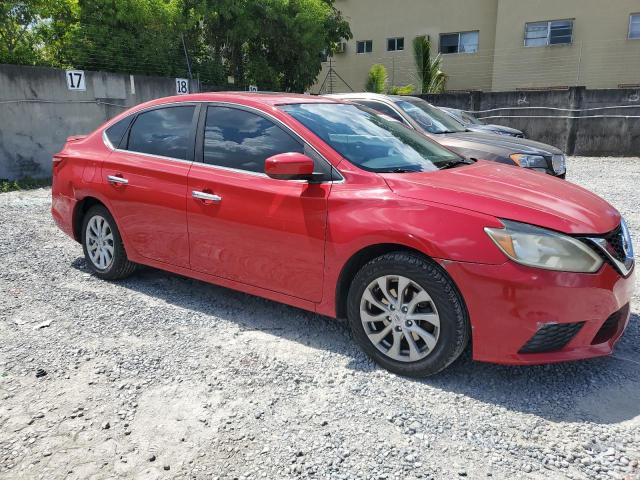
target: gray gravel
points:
(160, 376)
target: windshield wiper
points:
(400, 170)
(452, 164)
(440, 132)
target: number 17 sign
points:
(75, 80)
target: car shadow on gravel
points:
(603, 390)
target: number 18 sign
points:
(182, 86)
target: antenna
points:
(186, 56)
(329, 84)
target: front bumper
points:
(509, 304)
(549, 171)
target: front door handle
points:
(116, 179)
(210, 197)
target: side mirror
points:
(289, 166)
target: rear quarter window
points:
(116, 131)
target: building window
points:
(364, 46)
(461, 42)
(555, 32)
(394, 44)
(634, 26)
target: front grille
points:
(611, 325)
(610, 247)
(551, 337)
(616, 241)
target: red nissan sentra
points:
(332, 208)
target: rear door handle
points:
(115, 179)
(206, 196)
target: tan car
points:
(420, 115)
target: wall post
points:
(576, 95)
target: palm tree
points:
(430, 76)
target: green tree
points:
(275, 44)
(377, 79)
(431, 78)
(30, 30)
(17, 41)
(401, 90)
(137, 36)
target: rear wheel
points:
(405, 312)
(102, 245)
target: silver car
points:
(420, 115)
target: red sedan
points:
(332, 208)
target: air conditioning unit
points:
(341, 47)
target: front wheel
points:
(405, 312)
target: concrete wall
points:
(582, 127)
(600, 56)
(38, 112)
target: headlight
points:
(559, 163)
(529, 161)
(627, 243)
(538, 247)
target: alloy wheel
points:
(400, 318)
(100, 245)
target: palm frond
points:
(429, 72)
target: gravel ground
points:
(160, 376)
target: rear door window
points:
(167, 132)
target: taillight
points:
(57, 161)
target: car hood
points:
(511, 193)
(508, 144)
(493, 128)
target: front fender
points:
(377, 216)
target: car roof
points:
(360, 95)
(372, 96)
(247, 98)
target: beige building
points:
(492, 45)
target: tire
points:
(108, 267)
(431, 311)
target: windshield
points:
(369, 141)
(470, 119)
(430, 118)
